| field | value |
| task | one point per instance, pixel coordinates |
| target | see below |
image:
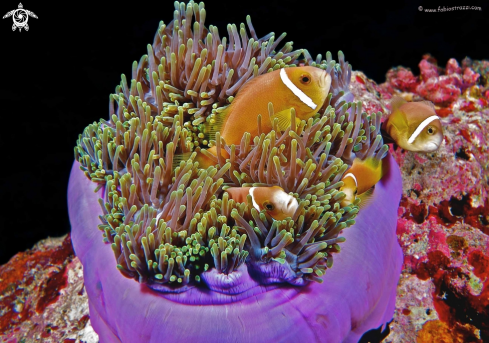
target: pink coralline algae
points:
(443, 223)
(441, 86)
(42, 298)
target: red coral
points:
(428, 68)
(402, 78)
(470, 77)
(453, 67)
(441, 90)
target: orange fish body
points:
(303, 88)
(253, 98)
(360, 178)
(414, 126)
(278, 204)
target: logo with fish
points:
(20, 17)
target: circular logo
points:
(420, 8)
(20, 17)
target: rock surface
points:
(443, 227)
(42, 298)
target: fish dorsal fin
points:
(371, 162)
(397, 102)
(428, 103)
(366, 198)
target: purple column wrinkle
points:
(358, 292)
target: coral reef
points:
(443, 217)
(42, 296)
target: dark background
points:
(56, 78)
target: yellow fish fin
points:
(399, 121)
(284, 119)
(366, 198)
(372, 163)
(210, 129)
(397, 102)
(177, 158)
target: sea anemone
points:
(191, 263)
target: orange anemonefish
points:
(278, 204)
(359, 179)
(303, 88)
(414, 126)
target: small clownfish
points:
(303, 88)
(359, 180)
(414, 126)
(278, 204)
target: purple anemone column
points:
(358, 292)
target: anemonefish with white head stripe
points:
(359, 179)
(278, 204)
(303, 88)
(414, 126)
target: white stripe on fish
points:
(352, 176)
(300, 94)
(421, 127)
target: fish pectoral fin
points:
(366, 198)
(210, 129)
(284, 119)
(177, 158)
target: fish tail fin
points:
(366, 198)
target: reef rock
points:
(42, 297)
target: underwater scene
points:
(240, 189)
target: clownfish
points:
(414, 126)
(278, 204)
(359, 179)
(303, 88)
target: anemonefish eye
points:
(430, 130)
(305, 79)
(268, 205)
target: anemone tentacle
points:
(168, 222)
